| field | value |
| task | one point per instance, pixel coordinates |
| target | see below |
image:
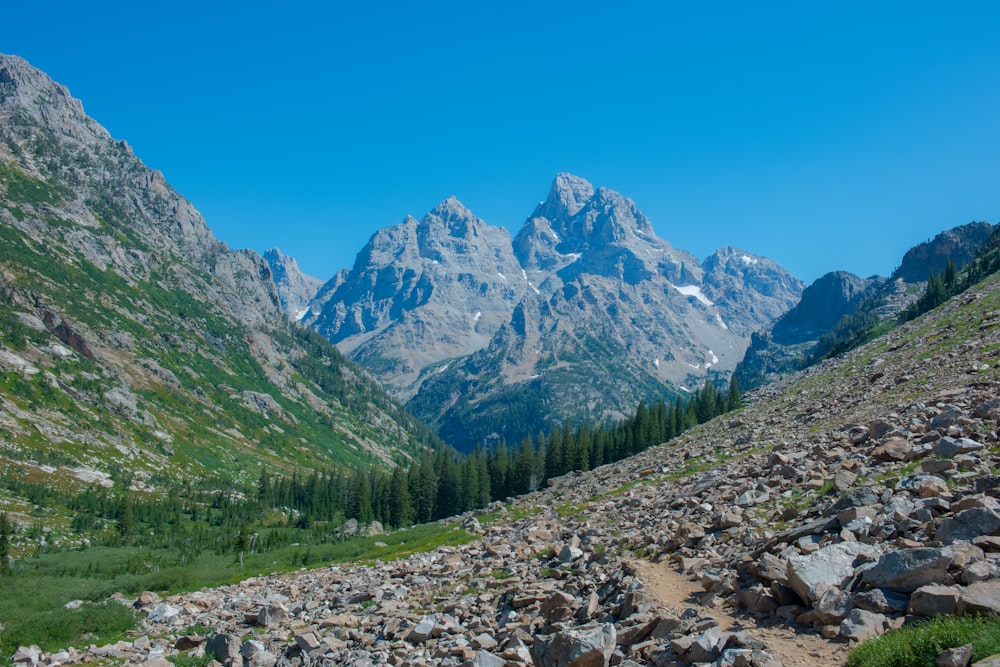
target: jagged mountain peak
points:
(567, 196)
(578, 221)
(31, 87)
(457, 220)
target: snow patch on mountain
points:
(695, 291)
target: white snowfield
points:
(695, 291)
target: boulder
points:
(982, 597)
(861, 625)
(934, 600)
(829, 567)
(906, 570)
(968, 525)
(580, 647)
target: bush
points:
(920, 645)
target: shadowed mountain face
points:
(135, 345)
(582, 315)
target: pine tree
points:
(4, 544)
(734, 401)
(125, 517)
(401, 512)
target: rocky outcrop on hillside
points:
(858, 496)
(959, 244)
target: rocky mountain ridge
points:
(136, 347)
(854, 497)
(840, 303)
(582, 315)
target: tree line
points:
(312, 507)
(445, 483)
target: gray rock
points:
(982, 597)
(829, 567)
(955, 657)
(968, 525)
(861, 625)
(934, 600)
(906, 570)
(580, 647)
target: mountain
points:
(295, 289)
(135, 346)
(840, 306)
(582, 315)
(420, 294)
(929, 258)
(823, 303)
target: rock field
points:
(837, 505)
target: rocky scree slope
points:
(136, 347)
(841, 301)
(857, 495)
(582, 315)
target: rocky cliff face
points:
(133, 342)
(582, 315)
(295, 289)
(960, 244)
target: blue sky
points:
(826, 136)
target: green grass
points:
(920, 645)
(33, 596)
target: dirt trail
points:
(676, 591)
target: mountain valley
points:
(202, 449)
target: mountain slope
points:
(136, 346)
(840, 305)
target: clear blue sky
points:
(825, 135)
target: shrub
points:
(920, 645)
